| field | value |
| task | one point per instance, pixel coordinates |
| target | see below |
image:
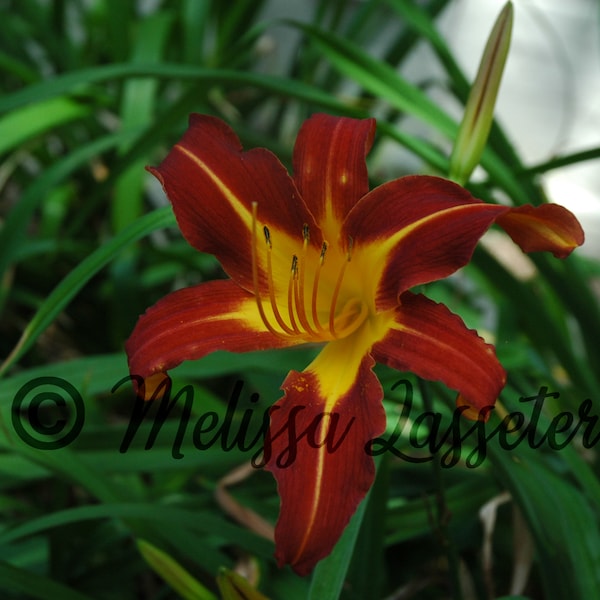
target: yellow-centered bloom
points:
(318, 258)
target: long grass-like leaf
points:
(193, 520)
(33, 120)
(34, 586)
(12, 234)
(563, 525)
(76, 80)
(329, 575)
(137, 110)
(70, 285)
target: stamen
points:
(338, 286)
(293, 275)
(255, 286)
(315, 291)
(299, 283)
(272, 298)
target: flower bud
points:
(479, 111)
(235, 587)
(173, 573)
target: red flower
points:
(317, 257)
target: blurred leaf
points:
(169, 517)
(13, 231)
(21, 125)
(380, 79)
(76, 80)
(76, 279)
(137, 110)
(13, 579)
(330, 573)
(561, 521)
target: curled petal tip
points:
(471, 412)
(549, 227)
(151, 387)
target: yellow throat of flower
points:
(301, 313)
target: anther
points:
(350, 247)
(323, 251)
(291, 285)
(305, 232)
(267, 236)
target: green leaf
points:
(329, 574)
(36, 119)
(13, 232)
(560, 519)
(137, 110)
(76, 279)
(366, 576)
(76, 80)
(204, 522)
(379, 78)
(32, 585)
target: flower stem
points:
(443, 513)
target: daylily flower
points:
(318, 258)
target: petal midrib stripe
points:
(244, 213)
(394, 239)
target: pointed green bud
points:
(173, 573)
(479, 111)
(234, 587)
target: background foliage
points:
(91, 93)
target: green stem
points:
(442, 508)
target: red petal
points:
(195, 321)
(435, 344)
(548, 227)
(212, 184)
(319, 430)
(415, 230)
(330, 168)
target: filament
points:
(315, 291)
(255, 285)
(291, 285)
(272, 298)
(336, 291)
(299, 283)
